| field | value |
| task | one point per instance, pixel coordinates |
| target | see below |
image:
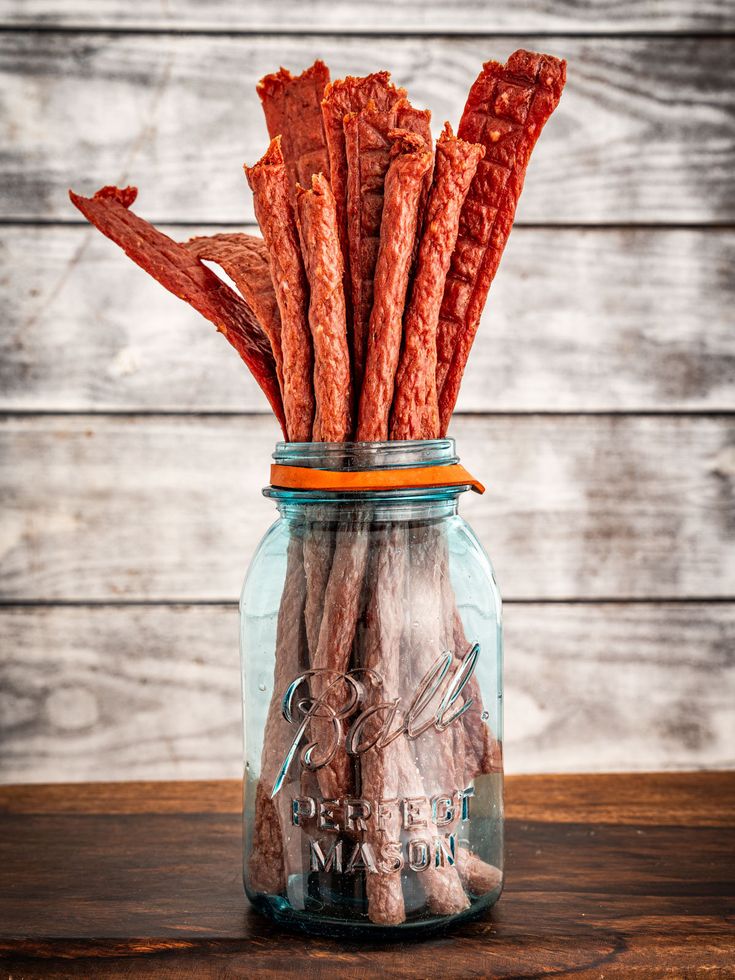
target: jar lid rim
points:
(355, 456)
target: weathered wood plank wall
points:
(356, 16)
(581, 319)
(644, 132)
(598, 406)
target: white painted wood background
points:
(598, 405)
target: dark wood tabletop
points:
(629, 875)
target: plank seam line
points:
(12, 603)
(30, 27)
(9, 413)
(20, 222)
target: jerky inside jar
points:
(373, 761)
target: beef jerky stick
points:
(340, 597)
(415, 412)
(183, 274)
(411, 160)
(506, 110)
(368, 149)
(483, 753)
(292, 105)
(318, 545)
(388, 772)
(269, 184)
(341, 97)
(274, 836)
(342, 600)
(475, 750)
(245, 260)
(478, 876)
(433, 750)
(323, 260)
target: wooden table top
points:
(626, 875)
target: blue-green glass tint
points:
(371, 651)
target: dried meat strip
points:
(411, 160)
(342, 97)
(368, 149)
(335, 569)
(342, 605)
(275, 839)
(434, 750)
(506, 110)
(292, 105)
(271, 196)
(388, 772)
(245, 260)
(324, 267)
(415, 412)
(174, 266)
(475, 751)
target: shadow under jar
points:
(371, 647)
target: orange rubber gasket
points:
(409, 478)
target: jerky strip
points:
(368, 148)
(388, 772)
(479, 877)
(506, 110)
(318, 545)
(342, 601)
(274, 835)
(483, 753)
(245, 260)
(269, 184)
(341, 97)
(323, 259)
(416, 408)
(183, 274)
(411, 161)
(292, 105)
(434, 750)
(475, 750)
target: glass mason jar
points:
(371, 652)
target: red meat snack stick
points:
(411, 160)
(271, 197)
(174, 266)
(368, 148)
(388, 772)
(324, 267)
(475, 751)
(292, 105)
(341, 609)
(245, 260)
(433, 750)
(273, 847)
(415, 412)
(341, 97)
(506, 110)
(334, 582)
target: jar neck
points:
(396, 507)
(351, 456)
(435, 502)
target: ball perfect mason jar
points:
(371, 652)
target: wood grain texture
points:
(408, 17)
(169, 508)
(643, 133)
(578, 320)
(616, 897)
(152, 692)
(690, 799)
